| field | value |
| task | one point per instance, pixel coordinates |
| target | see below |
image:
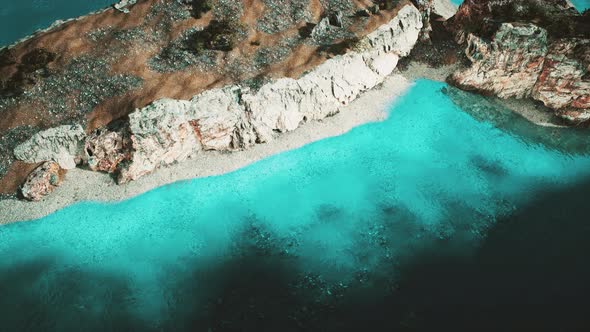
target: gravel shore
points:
(83, 185)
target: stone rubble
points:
(42, 181)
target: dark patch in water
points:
(490, 167)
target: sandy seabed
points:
(85, 185)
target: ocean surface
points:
(452, 213)
(20, 18)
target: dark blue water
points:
(452, 213)
(20, 18)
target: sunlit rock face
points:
(63, 145)
(235, 117)
(508, 66)
(564, 84)
(548, 61)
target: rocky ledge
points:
(548, 61)
(230, 118)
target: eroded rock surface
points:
(509, 66)
(105, 149)
(234, 117)
(521, 62)
(42, 181)
(63, 144)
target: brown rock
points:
(42, 181)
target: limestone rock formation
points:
(564, 84)
(521, 62)
(220, 120)
(434, 9)
(234, 117)
(64, 145)
(161, 134)
(444, 8)
(42, 181)
(508, 66)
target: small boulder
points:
(106, 149)
(42, 181)
(321, 29)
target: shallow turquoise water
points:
(581, 4)
(21, 18)
(338, 220)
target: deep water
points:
(454, 212)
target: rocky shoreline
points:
(225, 119)
(227, 122)
(369, 107)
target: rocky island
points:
(147, 84)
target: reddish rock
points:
(42, 181)
(563, 84)
(509, 65)
(105, 149)
(521, 61)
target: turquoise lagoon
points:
(452, 212)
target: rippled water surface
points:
(452, 212)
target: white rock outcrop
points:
(64, 145)
(445, 8)
(234, 117)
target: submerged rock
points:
(64, 145)
(42, 181)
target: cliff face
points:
(95, 70)
(233, 117)
(548, 61)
